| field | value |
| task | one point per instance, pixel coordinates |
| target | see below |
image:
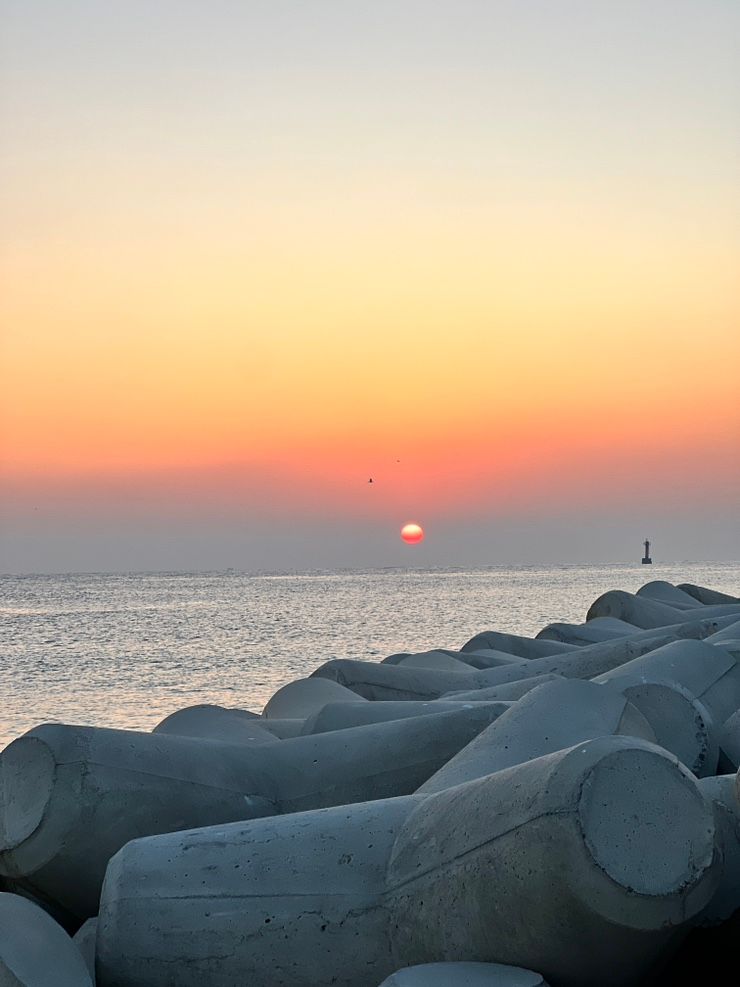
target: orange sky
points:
(251, 287)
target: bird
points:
(370, 480)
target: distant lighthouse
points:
(647, 560)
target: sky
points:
(253, 254)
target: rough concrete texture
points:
(729, 743)
(343, 716)
(232, 726)
(614, 834)
(85, 940)
(34, 950)
(72, 796)
(708, 671)
(681, 723)
(302, 698)
(707, 596)
(551, 717)
(464, 975)
(515, 644)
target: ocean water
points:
(125, 650)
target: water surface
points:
(125, 650)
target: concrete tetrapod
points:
(708, 597)
(421, 659)
(669, 594)
(464, 975)
(394, 682)
(488, 658)
(434, 659)
(647, 613)
(208, 722)
(614, 834)
(592, 632)
(515, 644)
(399, 656)
(681, 723)
(730, 633)
(343, 716)
(710, 673)
(388, 682)
(72, 796)
(507, 693)
(708, 955)
(34, 950)
(633, 609)
(551, 717)
(303, 697)
(85, 940)
(285, 729)
(729, 743)
(722, 791)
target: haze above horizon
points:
(252, 255)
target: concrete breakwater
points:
(513, 811)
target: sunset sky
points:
(255, 253)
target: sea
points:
(125, 650)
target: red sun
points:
(412, 533)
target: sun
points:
(412, 533)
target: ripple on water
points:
(125, 650)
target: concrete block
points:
(551, 717)
(722, 792)
(393, 682)
(681, 723)
(488, 658)
(34, 950)
(710, 673)
(633, 609)
(666, 593)
(464, 975)
(612, 834)
(72, 796)
(592, 632)
(434, 659)
(207, 722)
(344, 716)
(515, 644)
(508, 692)
(84, 939)
(286, 729)
(302, 698)
(706, 596)
(729, 633)
(729, 743)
